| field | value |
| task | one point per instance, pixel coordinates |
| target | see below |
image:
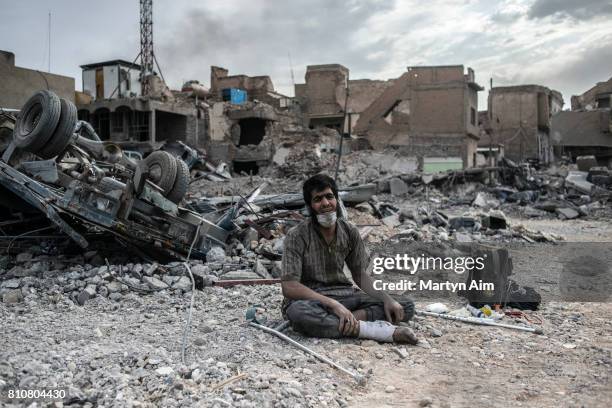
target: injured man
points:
(320, 300)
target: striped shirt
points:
(310, 260)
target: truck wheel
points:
(64, 131)
(181, 183)
(162, 170)
(37, 121)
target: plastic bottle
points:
(474, 311)
(486, 309)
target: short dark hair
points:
(316, 183)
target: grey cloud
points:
(574, 9)
(500, 17)
(314, 32)
(591, 67)
(575, 78)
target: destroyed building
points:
(258, 88)
(581, 133)
(599, 96)
(323, 95)
(230, 130)
(111, 101)
(17, 84)
(489, 153)
(520, 119)
(428, 113)
(243, 133)
(240, 135)
(587, 129)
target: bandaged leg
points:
(378, 330)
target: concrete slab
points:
(567, 213)
(577, 180)
(397, 186)
(585, 163)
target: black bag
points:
(496, 272)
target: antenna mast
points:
(146, 44)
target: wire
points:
(8, 249)
(188, 324)
(255, 213)
(45, 79)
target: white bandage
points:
(379, 330)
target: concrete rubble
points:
(116, 291)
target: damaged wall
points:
(598, 96)
(322, 96)
(438, 99)
(520, 118)
(579, 133)
(442, 145)
(257, 87)
(146, 120)
(325, 90)
(429, 110)
(240, 134)
(18, 84)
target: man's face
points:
(323, 201)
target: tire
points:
(162, 170)
(181, 183)
(37, 121)
(63, 133)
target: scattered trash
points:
(437, 308)
(483, 322)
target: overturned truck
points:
(57, 165)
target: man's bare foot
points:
(404, 335)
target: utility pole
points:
(291, 68)
(347, 116)
(197, 118)
(49, 45)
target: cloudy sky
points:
(562, 44)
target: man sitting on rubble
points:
(320, 300)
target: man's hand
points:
(348, 324)
(394, 311)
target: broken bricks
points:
(585, 163)
(397, 186)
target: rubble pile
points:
(298, 151)
(225, 232)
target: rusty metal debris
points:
(86, 184)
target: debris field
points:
(101, 254)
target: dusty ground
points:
(115, 353)
(108, 355)
(491, 367)
(124, 348)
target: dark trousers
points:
(312, 319)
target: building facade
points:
(111, 79)
(18, 84)
(428, 112)
(520, 120)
